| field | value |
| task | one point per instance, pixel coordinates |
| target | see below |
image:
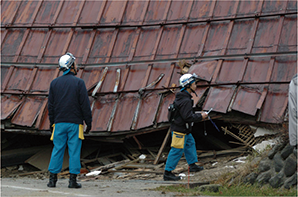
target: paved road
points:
(37, 187)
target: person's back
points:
(68, 100)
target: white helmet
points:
(187, 79)
(66, 61)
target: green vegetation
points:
(235, 190)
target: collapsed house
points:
(128, 54)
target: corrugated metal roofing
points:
(128, 53)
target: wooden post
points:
(162, 147)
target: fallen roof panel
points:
(128, 52)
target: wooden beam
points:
(162, 146)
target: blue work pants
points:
(66, 133)
(189, 151)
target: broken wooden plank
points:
(223, 152)
(162, 146)
(109, 166)
(121, 166)
(140, 165)
(140, 172)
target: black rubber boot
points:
(169, 176)
(73, 181)
(53, 180)
(194, 168)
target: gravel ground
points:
(118, 183)
(32, 187)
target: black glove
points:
(88, 129)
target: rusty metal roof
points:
(128, 51)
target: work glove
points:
(88, 129)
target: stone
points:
(255, 161)
(277, 180)
(292, 181)
(210, 187)
(278, 162)
(290, 165)
(274, 150)
(251, 178)
(264, 165)
(286, 151)
(264, 177)
(295, 152)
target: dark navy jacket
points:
(68, 101)
(184, 103)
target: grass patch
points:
(239, 190)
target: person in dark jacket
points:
(182, 139)
(69, 108)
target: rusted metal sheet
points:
(265, 35)
(123, 45)
(225, 9)
(190, 46)
(179, 11)
(219, 98)
(9, 104)
(12, 40)
(288, 38)
(135, 12)
(4, 73)
(230, 70)
(278, 100)
(68, 12)
(200, 92)
(43, 78)
(102, 112)
(249, 7)
(169, 45)
(32, 45)
(201, 10)
(247, 99)
(28, 111)
(271, 6)
(127, 105)
(214, 42)
(92, 12)
(19, 79)
(145, 115)
(145, 47)
(8, 11)
(56, 45)
(157, 11)
(46, 13)
(240, 36)
(284, 69)
(113, 12)
(246, 45)
(204, 69)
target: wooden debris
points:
(223, 152)
(246, 137)
(109, 166)
(162, 147)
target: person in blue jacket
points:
(69, 108)
(182, 139)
